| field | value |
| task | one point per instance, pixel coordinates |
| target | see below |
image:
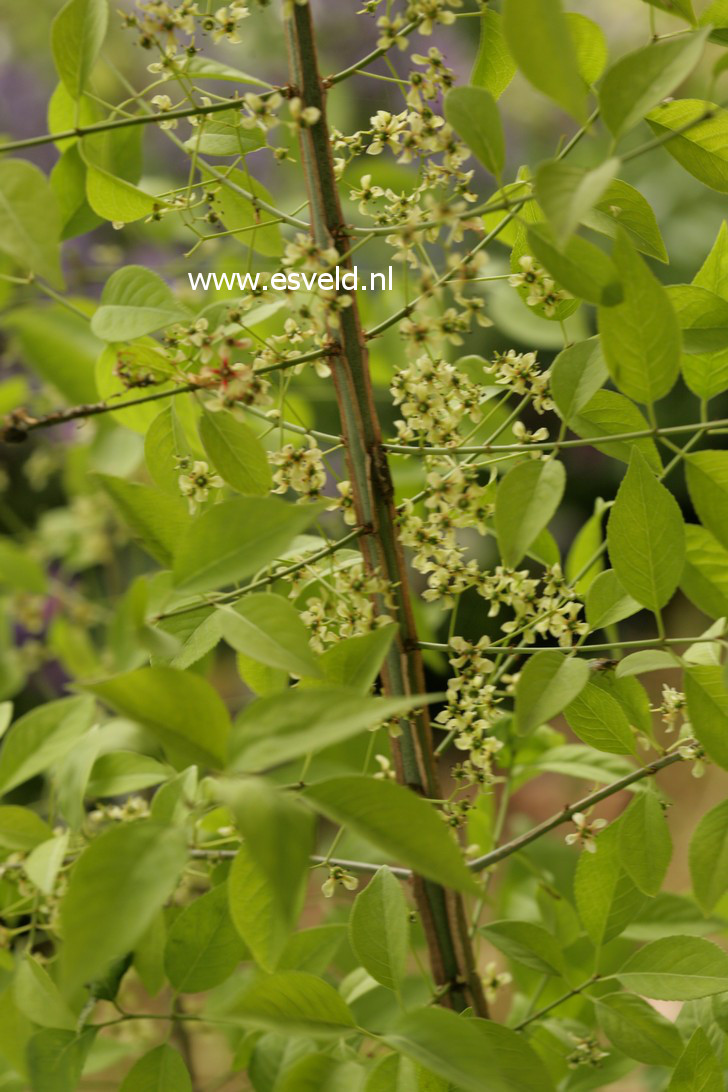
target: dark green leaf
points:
(185, 713)
(473, 114)
(547, 684)
(462, 1050)
(526, 500)
(678, 968)
(203, 947)
(233, 540)
(646, 536)
(645, 845)
(379, 929)
(117, 886)
(537, 32)
(702, 147)
(709, 857)
(641, 335)
(640, 80)
(161, 1070)
(396, 821)
(236, 453)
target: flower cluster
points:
(300, 469)
(344, 603)
(521, 373)
(542, 290)
(672, 706)
(586, 1052)
(471, 711)
(159, 22)
(434, 397)
(196, 481)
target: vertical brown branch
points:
(442, 911)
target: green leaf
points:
(473, 114)
(313, 950)
(638, 1030)
(566, 194)
(705, 576)
(640, 336)
(646, 536)
(239, 215)
(582, 565)
(278, 834)
(548, 682)
(698, 1068)
(113, 198)
(269, 630)
(21, 829)
(494, 66)
(598, 720)
(590, 45)
(609, 413)
(56, 1059)
(164, 443)
(526, 943)
(30, 221)
(709, 857)
(379, 929)
(20, 571)
(713, 274)
(155, 518)
(397, 822)
(526, 500)
(462, 1050)
(161, 1070)
(322, 1073)
(606, 898)
(707, 699)
(43, 863)
(624, 208)
(135, 301)
(116, 887)
(145, 356)
(185, 713)
(124, 772)
(355, 662)
(641, 663)
(38, 997)
(540, 41)
(607, 602)
(580, 267)
(57, 345)
(645, 845)
(707, 477)
(702, 149)
(679, 968)
(206, 68)
(255, 911)
(203, 947)
(233, 540)
(703, 319)
(578, 372)
(224, 135)
(77, 34)
(681, 8)
(640, 80)
(40, 738)
(236, 452)
(277, 728)
(295, 1003)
